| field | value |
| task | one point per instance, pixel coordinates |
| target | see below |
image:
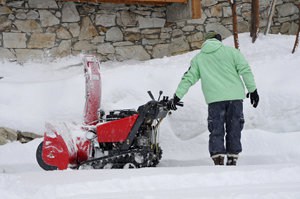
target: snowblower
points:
(120, 139)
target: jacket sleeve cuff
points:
(176, 99)
(251, 90)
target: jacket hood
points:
(211, 45)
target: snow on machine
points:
(120, 139)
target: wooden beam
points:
(130, 1)
(196, 9)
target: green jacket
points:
(219, 67)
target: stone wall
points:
(39, 29)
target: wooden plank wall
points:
(196, 4)
(130, 1)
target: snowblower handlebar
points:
(161, 105)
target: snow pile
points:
(33, 94)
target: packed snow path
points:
(268, 168)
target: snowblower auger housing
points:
(121, 139)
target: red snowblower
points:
(120, 139)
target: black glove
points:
(254, 98)
(175, 101)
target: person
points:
(220, 69)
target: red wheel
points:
(39, 158)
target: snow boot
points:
(232, 159)
(218, 159)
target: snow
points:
(35, 93)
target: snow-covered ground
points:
(268, 168)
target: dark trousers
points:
(225, 120)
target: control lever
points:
(160, 93)
(151, 96)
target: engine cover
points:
(116, 130)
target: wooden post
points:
(270, 17)
(297, 35)
(234, 23)
(254, 20)
(196, 9)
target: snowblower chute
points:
(92, 90)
